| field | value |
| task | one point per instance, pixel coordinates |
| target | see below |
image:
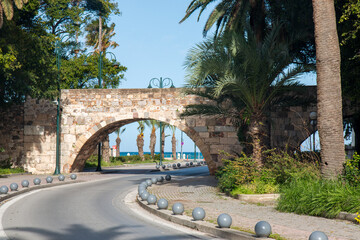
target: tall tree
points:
(173, 141)
(106, 149)
(118, 140)
(7, 9)
(140, 139)
(153, 124)
(330, 123)
(261, 16)
(244, 79)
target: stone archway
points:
(89, 114)
(84, 152)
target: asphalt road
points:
(92, 210)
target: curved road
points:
(92, 210)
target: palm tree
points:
(173, 141)
(330, 123)
(163, 136)
(7, 9)
(100, 34)
(105, 149)
(140, 139)
(153, 124)
(230, 15)
(244, 78)
(118, 140)
(261, 16)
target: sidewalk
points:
(202, 192)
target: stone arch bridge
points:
(88, 115)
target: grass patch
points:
(118, 161)
(5, 171)
(256, 187)
(325, 198)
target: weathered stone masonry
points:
(28, 133)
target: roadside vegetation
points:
(298, 180)
(118, 161)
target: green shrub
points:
(241, 170)
(282, 168)
(351, 171)
(319, 198)
(11, 170)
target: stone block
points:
(200, 129)
(34, 130)
(224, 129)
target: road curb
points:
(26, 190)
(201, 226)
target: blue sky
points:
(152, 44)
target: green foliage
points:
(283, 168)
(242, 175)
(324, 198)
(6, 171)
(235, 172)
(351, 172)
(118, 161)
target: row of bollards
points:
(224, 220)
(37, 181)
(179, 165)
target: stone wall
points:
(90, 114)
(12, 135)
(39, 136)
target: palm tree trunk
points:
(152, 142)
(105, 150)
(162, 143)
(118, 141)
(173, 148)
(256, 132)
(140, 145)
(330, 122)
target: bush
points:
(324, 198)
(242, 175)
(281, 168)
(241, 170)
(351, 171)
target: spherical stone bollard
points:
(160, 179)
(149, 182)
(187, 164)
(224, 220)
(154, 180)
(178, 165)
(37, 181)
(169, 165)
(168, 177)
(151, 199)
(162, 203)
(144, 183)
(61, 177)
(4, 189)
(141, 190)
(157, 166)
(73, 176)
(317, 235)
(198, 213)
(174, 165)
(191, 163)
(163, 167)
(262, 229)
(49, 179)
(178, 208)
(144, 195)
(14, 187)
(25, 183)
(198, 163)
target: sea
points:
(186, 155)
